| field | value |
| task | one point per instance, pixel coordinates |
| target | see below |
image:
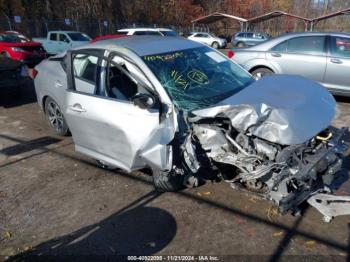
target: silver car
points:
(322, 57)
(188, 114)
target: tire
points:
(5, 54)
(55, 117)
(167, 181)
(240, 45)
(215, 45)
(261, 72)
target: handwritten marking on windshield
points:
(198, 76)
(178, 79)
(165, 57)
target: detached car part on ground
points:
(189, 114)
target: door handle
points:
(58, 84)
(77, 108)
(276, 54)
(336, 61)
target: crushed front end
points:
(273, 140)
(286, 175)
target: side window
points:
(340, 46)
(85, 69)
(153, 33)
(63, 38)
(140, 33)
(119, 84)
(197, 35)
(249, 35)
(53, 37)
(309, 45)
(282, 47)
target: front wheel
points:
(215, 45)
(55, 117)
(261, 72)
(167, 181)
(240, 45)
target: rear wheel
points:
(167, 181)
(261, 72)
(55, 117)
(215, 45)
(240, 45)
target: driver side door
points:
(104, 122)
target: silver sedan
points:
(187, 113)
(322, 57)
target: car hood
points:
(281, 109)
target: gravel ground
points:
(54, 201)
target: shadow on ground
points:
(136, 230)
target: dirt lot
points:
(54, 201)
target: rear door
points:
(302, 55)
(338, 65)
(104, 122)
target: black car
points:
(12, 75)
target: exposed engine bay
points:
(286, 175)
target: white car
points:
(60, 41)
(208, 39)
(148, 31)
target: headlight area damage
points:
(279, 148)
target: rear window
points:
(340, 46)
(169, 33)
(79, 37)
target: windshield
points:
(13, 38)
(79, 37)
(168, 33)
(197, 78)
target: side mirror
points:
(143, 101)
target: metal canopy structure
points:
(314, 21)
(309, 23)
(212, 18)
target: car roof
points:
(276, 40)
(144, 28)
(146, 45)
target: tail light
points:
(34, 73)
(230, 54)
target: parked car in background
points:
(244, 39)
(12, 75)
(59, 41)
(148, 31)
(322, 57)
(18, 47)
(208, 39)
(105, 37)
(202, 117)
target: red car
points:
(18, 47)
(105, 37)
